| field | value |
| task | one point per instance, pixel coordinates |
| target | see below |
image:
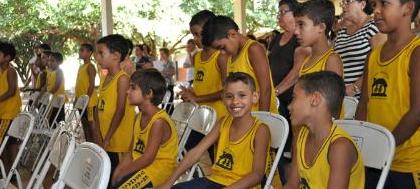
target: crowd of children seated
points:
(232, 75)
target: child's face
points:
(138, 51)
(4, 59)
(52, 63)
(104, 57)
(196, 32)
(44, 59)
(388, 14)
(163, 55)
(307, 32)
(135, 94)
(239, 98)
(84, 53)
(300, 106)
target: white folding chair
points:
(202, 120)
(165, 101)
(61, 151)
(279, 130)
(30, 106)
(375, 142)
(350, 107)
(89, 168)
(20, 129)
(181, 115)
(74, 117)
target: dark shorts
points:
(199, 183)
(395, 180)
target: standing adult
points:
(355, 40)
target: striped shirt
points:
(353, 50)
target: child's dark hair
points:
(164, 50)
(329, 84)
(292, 4)
(245, 78)
(319, 11)
(130, 46)
(115, 43)
(57, 57)
(44, 47)
(150, 80)
(191, 41)
(217, 28)
(201, 18)
(87, 46)
(416, 8)
(8, 49)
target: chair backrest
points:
(166, 99)
(279, 130)
(20, 128)
(81, 102)
(375, 142)
(183, 111)
(30, 106)
(57, 101)
(350, 107)
(203, 119)
(89, 168)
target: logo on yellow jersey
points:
(303, 184)
(199, 76)
(139, 146)
(225, 160)
(379, 87)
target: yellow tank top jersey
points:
(242, 64)
(317, 175)
(389, 99)
(234, 158)
(10, 107)
(165, 160)
(207, 80)
(320, 64)
(38, 81)
(107, 104)
(82, 84)
(51, 78)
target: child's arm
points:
(96, 135)
(342, 156)
(92, 74)
(259, 63)
(361, 110)
(12, 83)
(193, 156)
(293, 75)
(58, 81)
(293, 175)
(410, 122)
(159, 134)
(189, 95)
(123, 83)
(261, 143)
(334, 64)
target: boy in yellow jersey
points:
(246, 56)
(153, 151)
(10, 102)
(391, 90)
(85, 85)
(243, 142)
(114, 116)
(324, 155)
(209, 73)
(55, 84)
(314, 20)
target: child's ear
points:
(255, 97)
(409, 8)
(322, 27)
(316, 99)
(116, 56)
(232, 33)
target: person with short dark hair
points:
(114, 116)
(85, 85)
(154, 148)
(242, 140)
(167, 68)
(246, 56)
(324, 155)
(140, 59)
(391, 91)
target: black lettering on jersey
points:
(199, 76)
(379, 87)
(225, 161)
(101, 105)
(139, 146)
(303, 184)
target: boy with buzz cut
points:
(246, 56)
(85, 85)
(114, 117)
(153, 151)
(314, 21)
(324, 155)
(10, 102)
(391, 90)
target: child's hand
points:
(105, 144)
(188, 95)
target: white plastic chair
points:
(279, 130)
(181, 115)
(74, 117)
(350, 107)
(20, 129)
(89, 168)
(202, 120)
(57, 153)
(30, 106)
(375, 142)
